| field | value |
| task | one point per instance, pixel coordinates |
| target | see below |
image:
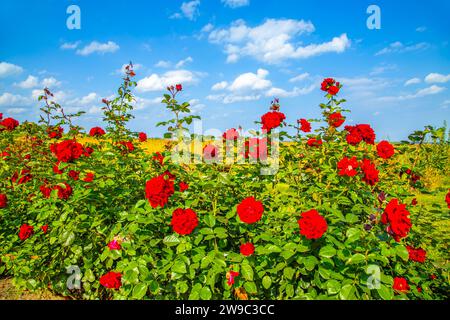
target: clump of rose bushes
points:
(336, 221)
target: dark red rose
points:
(336, 119)
(25, 231)
(158, 157)
(126, 146)
(414, 202)
(313, 142)
(8, 124)
(158, 190)
(247, 249)
(111, 280)
(65, 192)
(179, 87)
(250, 210)
(385, 150)
(312, 225)
(418, 255)
(44, 228)
(75, 175)
(272, 120)
(97, 132)
(25, 176)
(396, 217)
(360, 132)
(184, 221)
(56, 168)
(3, 200)
(231, 134)
(400, 285)
(330, 86)
(142, 136)
(89, 177)
(347, 167)
(55, 132)
(370, 172)
(183, 186)
(67, 151)
(305, 126)
(1, 116)
(46, 191)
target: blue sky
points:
(233, 57)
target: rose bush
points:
(332, 223)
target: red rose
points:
(3, 200)
(67, 151)
(418, 255)
(255, 148)
(114, 245)
(111, 280)
(25, 232)
(126, 146)
(231, 134)
(250, 210)
(1, 116)
(272, 120)
(96, 132)
(25, 177)
(158, 157)
(8, 124)
(347, 167)
(400, 285)
(312, 225)
(89, 177)
(313, 142)
(184, 221)
(56, 168)
(230, 277)
(305, 126)
(142, 137)
(330, 86)
(414, 202)
(447, 199)
(179, 87)
(46, 191)
(247, 249)
(333, 90)
(210, 152)
(44, 228)
(65, 192)
(158, 190)
(75, 175)
(55, 132)
(396, 217)
(183, 186)
(385, 150)
(360, 132)
(370, 172)
(336, 119)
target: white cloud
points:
(13, 100)
(236, 3)
(208, 27)
(156, 82)
(50, 82)
(220, 86)
(432, 90)
(437, 78)
(97, 47)
(281, 93)
(143, 103)
(231, 98)
(300, 77)
(398, 47)
(181, 63)
(382, 69)
(272, 41)
(163, 64)
(251, 81)
(16, 110)
(421, 29)
(70, 45)
(28, 83)
(189, 10)
(412, 81)
(9, 69)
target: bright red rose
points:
(272, 120)
(305, 126)
(46, 191)
(370, 172)
(230, 277)
(360, 132)
(158, 157)
(347, 167)
(8, 124)
(255, 148)
(313, 142)
(210, 152)
(67, 151)
(97, 132)
(247, 249)
(3, 200)
(179, 87)
(158, 190)
(312, 225)
(55, 132)
(250, 210)
(400, 285)
(447, 199)
(114, 245)
(336, 119)
(56, 168)
(396, 217)
(183, 186)
(1, 116)
(126, 146)
(142, 136)
(418, 255)
(111, 280)
(333, 90)
(75, 175)
(44, 228)
(231, 134)
(330, 86)
(184, 221)
(385, 150)
(89, 177)
(25, 231)
(65, 192)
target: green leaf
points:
(267, 282)
(139, 291)
(327, 252)
(385, 293)
(250, 287)
(347, 292)
(356, 258)
(353, 234)
(289, 273)
(310, 262)
(247, 272)
(402, 252)
(333, 286)
(179, 267)
(287, 254)
(205, 293)
(171, 240)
